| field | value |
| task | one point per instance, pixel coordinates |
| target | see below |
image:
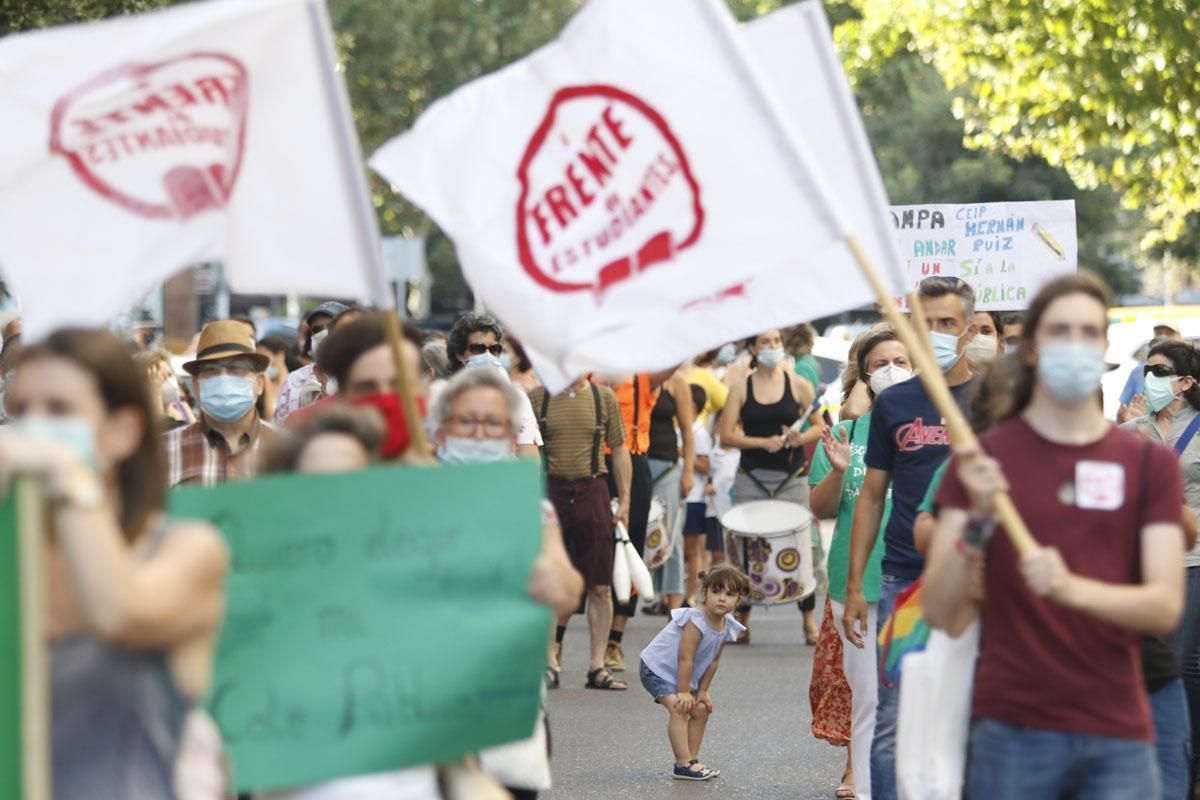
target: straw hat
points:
(223, 339)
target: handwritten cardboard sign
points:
(1006, 251)
(376, 620)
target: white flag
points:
(136, 146)
(794, 46)
(631, 194)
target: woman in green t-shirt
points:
(879, 360)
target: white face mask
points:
(317, 338)
(466, 450)
(887, 376)
(981, 350)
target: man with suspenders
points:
(576, 425)
(636, 397)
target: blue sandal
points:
(716, 772)
(692, 772)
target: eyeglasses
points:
(1159, 370)
(480, 349)
(493, 428)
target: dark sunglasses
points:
(480, 349)
(1159, 370)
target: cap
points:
(330, 308)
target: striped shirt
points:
(197, 454)
(570, 430)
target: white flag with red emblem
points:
(139, 145)
(633, 193)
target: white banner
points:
(136, 146)
(632, 193)
(1005, 251)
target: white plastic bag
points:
(639, 573)
(622, 585)
(935, 716)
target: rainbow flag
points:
(906, 631)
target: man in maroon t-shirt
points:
(1060, 709)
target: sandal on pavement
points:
(602, 679)
(844, 792)
(693, 772)
(715, 772)
(551, 678)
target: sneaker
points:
(693, 772)
(614, 659)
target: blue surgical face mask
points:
(726, 354)
(227, 398)
(945, 349)
(1159, 393)
(485, 360)
(1071, 372)
(465, 450)
(770, 358)
(1009, 349)
(273, 372)
(75, 433)
(506, 361)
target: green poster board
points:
(376, 620)
(10, 652)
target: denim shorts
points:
(656, 686)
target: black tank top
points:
(766, 421)
(663, 443)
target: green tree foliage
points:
(1109, 90)
(19, 15)
(919, 146)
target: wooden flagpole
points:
(35, 664)
(935, 384)
(418, 444)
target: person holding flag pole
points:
(261, 74)
(1059, 708)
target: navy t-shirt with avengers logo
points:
(909, 439)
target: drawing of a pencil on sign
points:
(1052, 245)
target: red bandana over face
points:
(391, 409)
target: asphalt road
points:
(613, 745)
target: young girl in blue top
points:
(685, 655)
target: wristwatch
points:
(978, 532)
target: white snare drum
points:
(771, 540)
